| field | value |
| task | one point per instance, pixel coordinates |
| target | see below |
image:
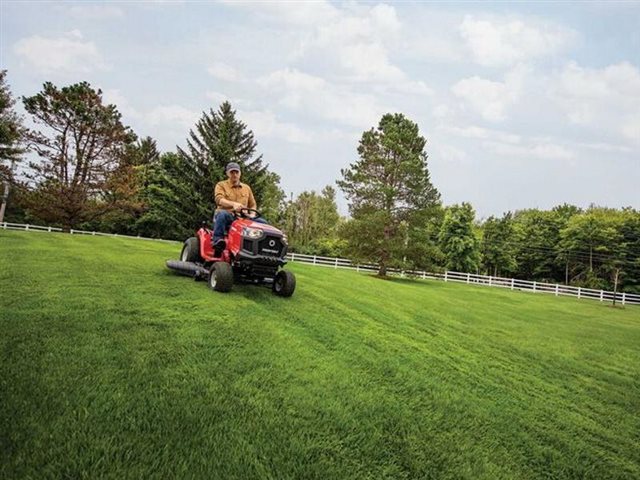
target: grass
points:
(113, 367)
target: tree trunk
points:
(5, 197)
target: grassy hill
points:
(112, 366)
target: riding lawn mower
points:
(253, 253)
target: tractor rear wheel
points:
(221, 277)
(284, 283)
(190, 250)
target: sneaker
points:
(218, 247)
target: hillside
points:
(112, 366)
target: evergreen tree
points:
(386, 187)
(219, 138)
(11, 133)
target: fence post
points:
(314, 259)
(93, 233)
(445, 275)
(26, 227)
(534, 286)
(293, 257)
(424, 275)
(357, 267)
(624, 295)
(579, 292)
(512, 282)
(556, 289)
(49, 229)
(468, 278)
(489, 280)
(601, 295)
(71, 231)
(336, 266)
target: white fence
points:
(469, 278)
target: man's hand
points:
(236, 207)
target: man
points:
(230, 196)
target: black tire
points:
(284, 283)
(190, 250)
(221, 277)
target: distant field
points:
(111, 366)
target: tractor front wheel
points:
(284, 283)
(221, 277)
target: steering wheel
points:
(245, 213)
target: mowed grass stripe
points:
(112, 366)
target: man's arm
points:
(252, 201)
(222, 201)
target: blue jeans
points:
(223, 220)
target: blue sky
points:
(523, 105)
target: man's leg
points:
(222, 222)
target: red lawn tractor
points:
(253, 253)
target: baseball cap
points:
(232, 166)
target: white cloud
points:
(115, 97)
(500, 41)
(266, 124)
(491, 99)
(99, 12)
(476, 132)
(224, 72)
(547, 151)
(594, 96)
(313, 95)
(69, 53)
(174, 115)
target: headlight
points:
(252, 232)
(285, 240)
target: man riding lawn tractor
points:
(242, 246)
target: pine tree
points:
(79, 143)
(219, 138)
(386, 187)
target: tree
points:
(11, 133)
(170, 199)
(80, 146)
(311, 221)
(385, 187)
(594, 239)
(537, 237)
(498, 250)
(219, 138)
(125, 187)
(458, 241)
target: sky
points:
(523, 105)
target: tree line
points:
(87, 170)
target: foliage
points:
(11, 129)
(458, 241)
(312, 220)
(498, 251)
(79, 146)
(219, 138)
(386, 187)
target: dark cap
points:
(232, 166)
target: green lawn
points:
(112, 366)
